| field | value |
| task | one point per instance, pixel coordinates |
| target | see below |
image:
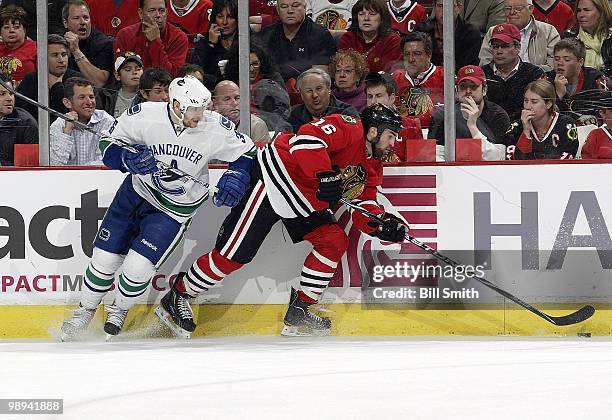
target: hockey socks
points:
(208, 271)
(134, 280)
(99, 277)
(330, 243)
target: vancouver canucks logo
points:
(159, 178)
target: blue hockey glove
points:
(141, 163)
(392, 228)
(232, 186)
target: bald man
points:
(226, 101)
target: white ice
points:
(322, 378)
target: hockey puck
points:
(584, 334)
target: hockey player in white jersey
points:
(153, 207)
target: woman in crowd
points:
(348, 69)
(261, 66)
(370, 34)
(594, 18)
(17, 54)
(542, 132)
(222, 34)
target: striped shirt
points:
(80, 147)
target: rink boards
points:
(541, 230)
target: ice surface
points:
(322, 378)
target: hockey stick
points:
(119, 142)
(580, 315)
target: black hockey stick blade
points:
(580, 315)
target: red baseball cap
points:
(506, 32)
(472, 73)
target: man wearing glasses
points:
(507, 75)
(537, 38)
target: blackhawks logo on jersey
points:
(349, 119)
(354, 178)
(414, 102)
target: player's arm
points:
(238, 149)
(115, 156)
(310, 148)
(389, 228)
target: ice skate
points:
(175, 312)
(299, 321)
(114, 320)
(77, 324)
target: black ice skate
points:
(174, 311)
(114, 320)
(299, 321)
(77, 324)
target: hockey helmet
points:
(188, 91)
(378, 115)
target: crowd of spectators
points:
(520, 66)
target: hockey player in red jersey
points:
(297, 179)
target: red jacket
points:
(192, 22)
(110, 19)
(381, 54)
(598, 145)
(19, 61)
(409, 18)
(168, 52)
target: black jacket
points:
(29, 88)
(300, 115)
(19, 127)
(467, 42)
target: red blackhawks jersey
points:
(110, 16)
(192, 19)
(290, 165)
(419, 97)
(559, 14)
(598, 144)
(405, 17)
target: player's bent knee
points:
(223, 264)
(106, 262)
(137, 267)
(329, 240)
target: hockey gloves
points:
(232, 186)
(392, 229)
(141, 163)
(330, 186)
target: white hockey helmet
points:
(188, 91)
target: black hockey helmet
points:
(378, 115)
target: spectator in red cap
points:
(537, 38)
(475, 116)
(507, 74)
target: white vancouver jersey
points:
(188, 149)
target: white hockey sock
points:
(134, 280)
(99, 277)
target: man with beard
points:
(70, 144)
(298, 180)
(475, 116)
(226, 101)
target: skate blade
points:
(109, 337)
(294, 331)
(167, 320)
